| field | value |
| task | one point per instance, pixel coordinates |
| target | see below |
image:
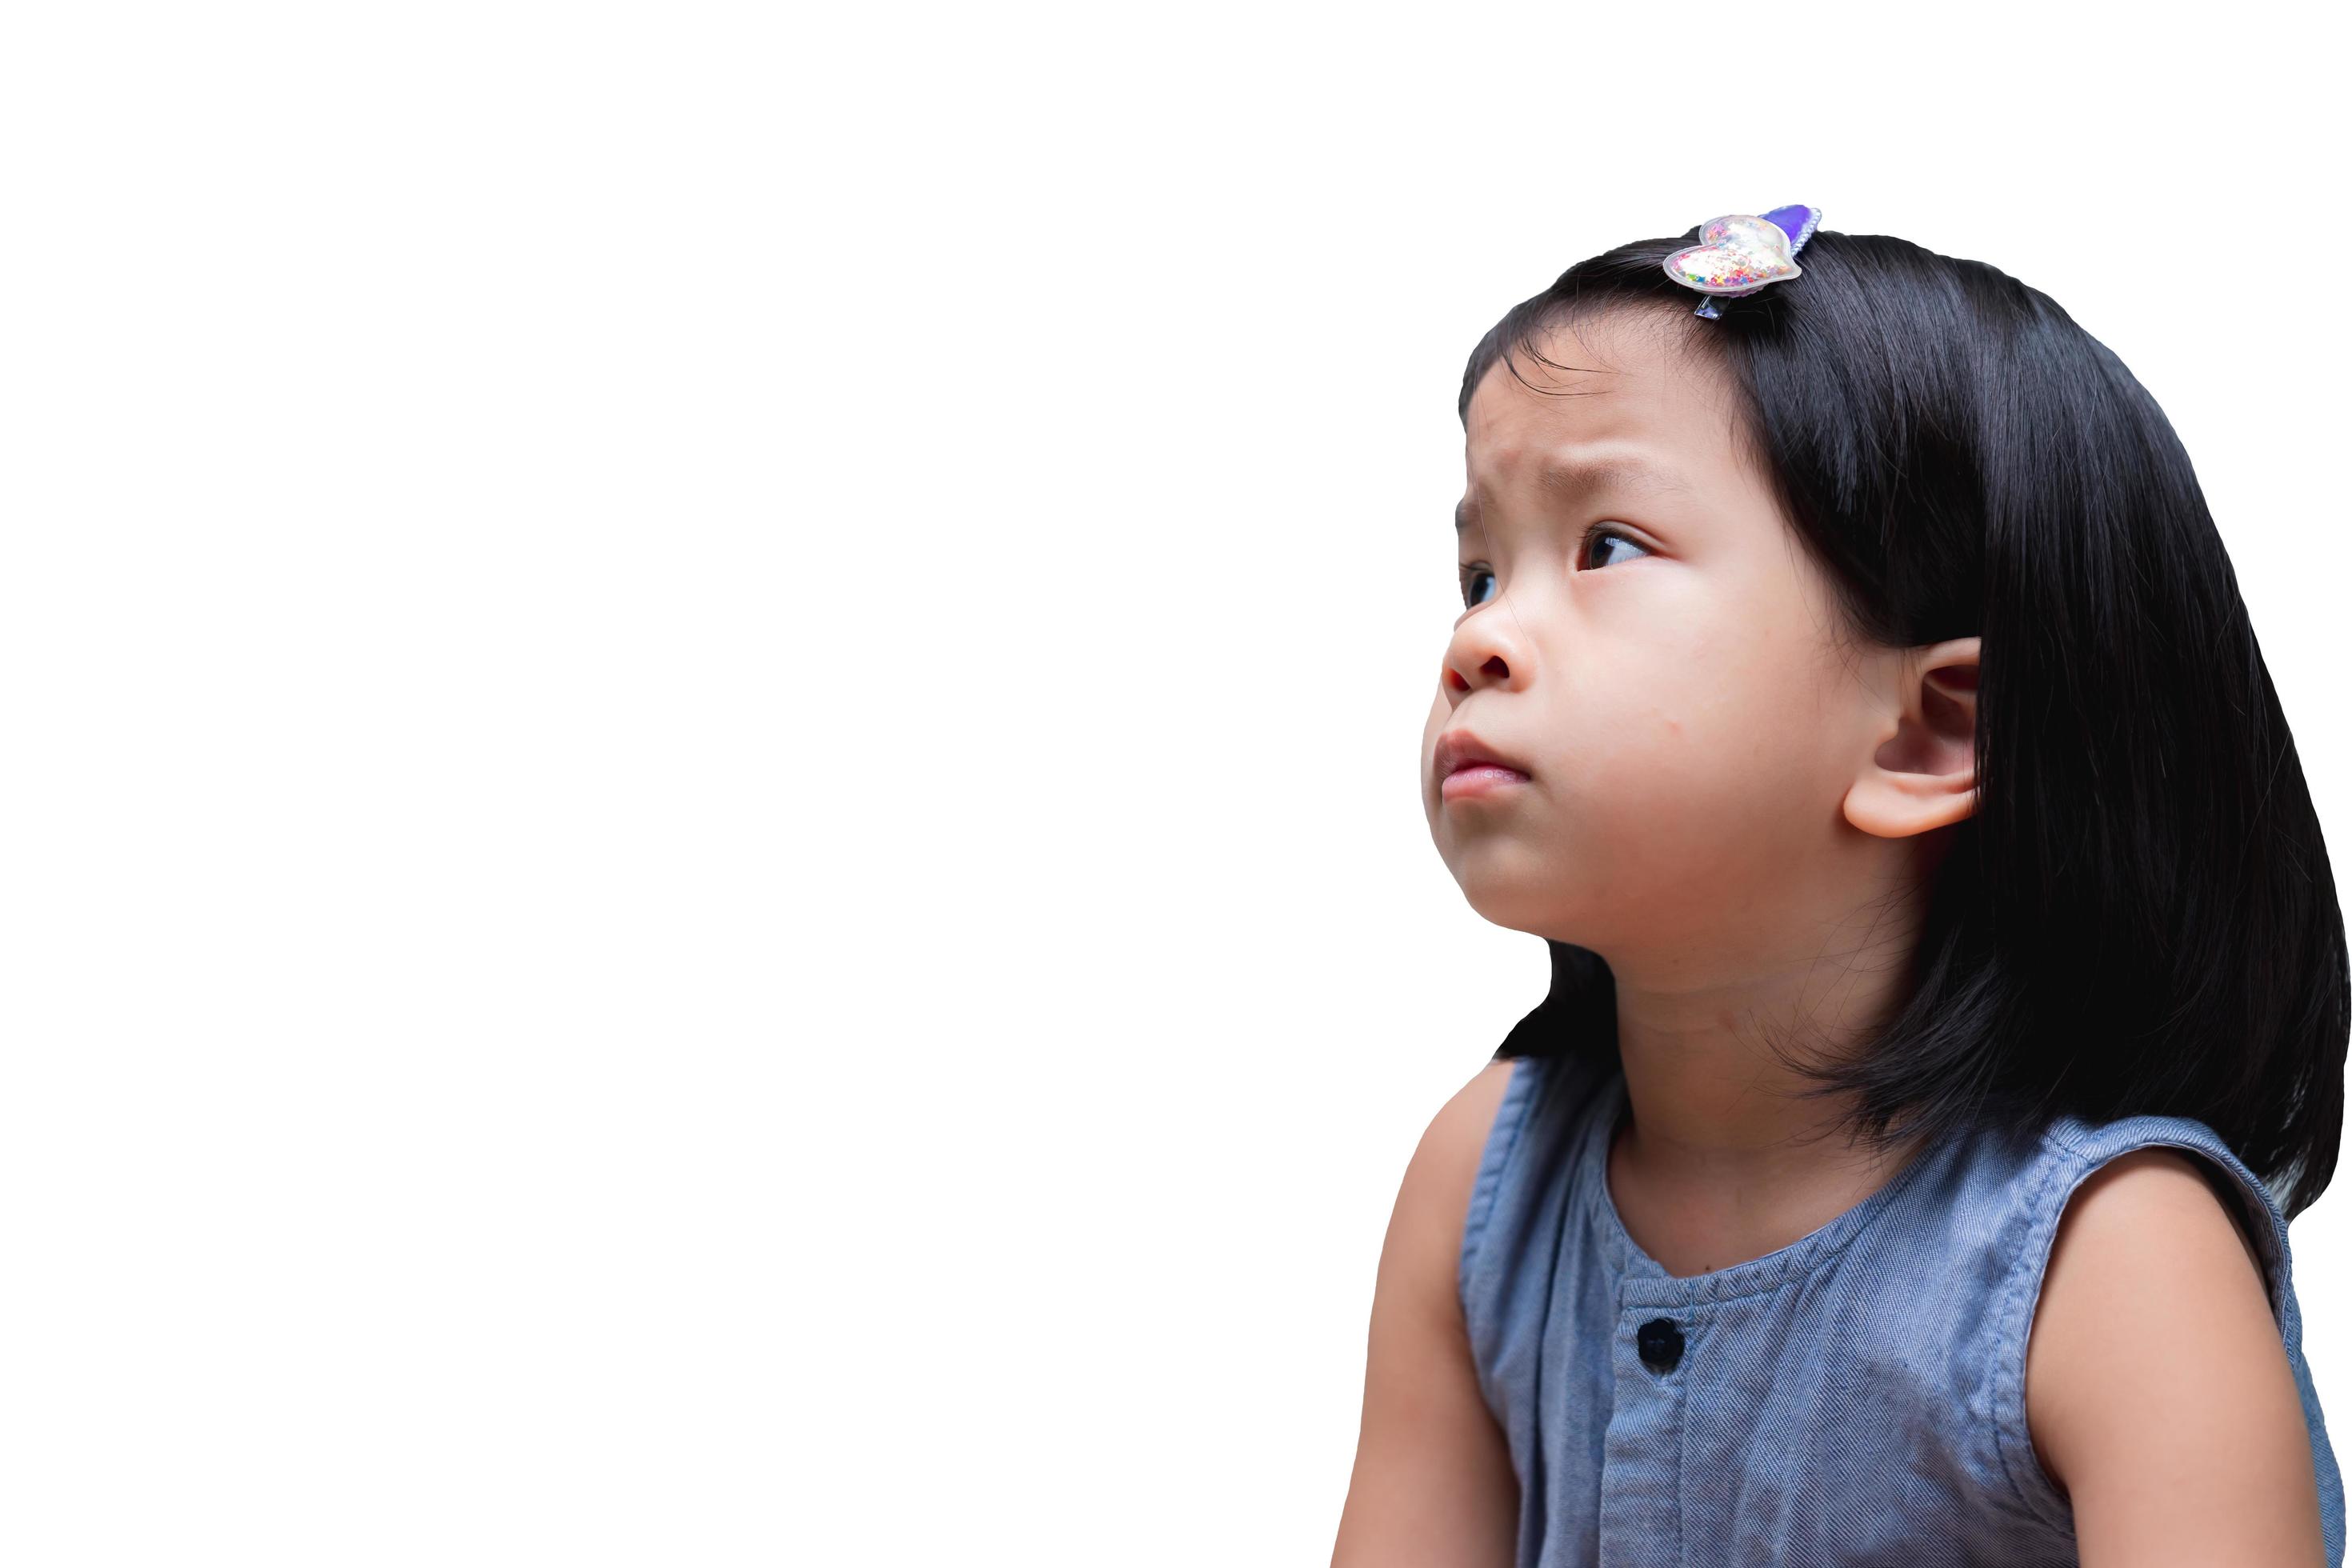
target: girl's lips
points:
(1459, 749)
(1479, 779)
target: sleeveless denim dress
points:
(1856, 1397)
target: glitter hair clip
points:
(1738, 254)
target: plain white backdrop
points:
(712, 842)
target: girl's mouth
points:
(1477, 779)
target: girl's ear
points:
(1924, 774)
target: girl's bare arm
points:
(1432, 1485)
(2158, 1394)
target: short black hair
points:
(2139, 916)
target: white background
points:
(712, 848)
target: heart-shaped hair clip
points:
(1738, 254)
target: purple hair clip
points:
(1738, 254)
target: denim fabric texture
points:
(1856, 1397)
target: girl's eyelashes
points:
(1599, 531)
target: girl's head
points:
(1881, 625)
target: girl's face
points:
(1645, 637)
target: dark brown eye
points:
(1601, 531)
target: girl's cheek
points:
(1685, 781)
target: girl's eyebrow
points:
(1572, 478)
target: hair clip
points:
(1737, 254)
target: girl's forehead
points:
(1629, 411)
(1664, 411)
(1619, 365)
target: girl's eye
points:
(1598, 532)
(1602, 531)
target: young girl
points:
(1949, 997)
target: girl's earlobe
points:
(1924, 775)
(1889, 803)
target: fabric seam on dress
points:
(1518, 1097)
(2013, 1439)
(1800, 1265)
(1696, 1341)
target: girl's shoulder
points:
(2163, 1337)
(2148, 1159)
(1434, 1205)
(2144, 1230)
(1458, 1137)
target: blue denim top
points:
(1857, 1396)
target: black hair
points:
(2139, 916)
